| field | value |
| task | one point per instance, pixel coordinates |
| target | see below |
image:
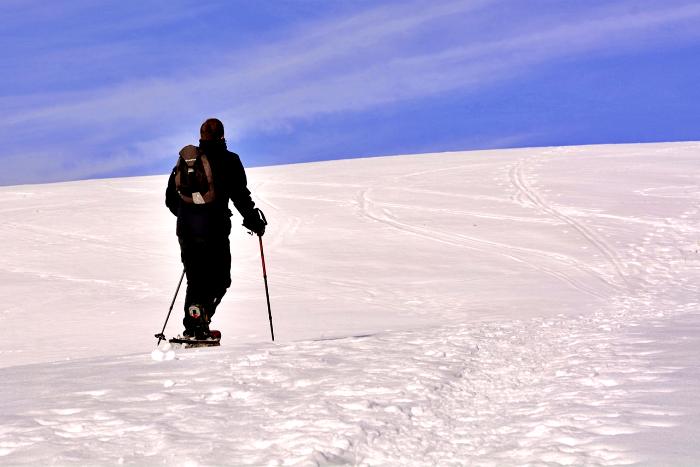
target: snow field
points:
(520, 307)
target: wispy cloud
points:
(383, 55)
(60, 163)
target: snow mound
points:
(560, 390)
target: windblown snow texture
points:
(535, 306)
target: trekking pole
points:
(161, 336)
(267, 291)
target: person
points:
(203, 227)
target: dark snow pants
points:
(207, 264)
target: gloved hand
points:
(255, 223)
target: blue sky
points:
(115, 88)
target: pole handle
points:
(262, 215)
(267, 291)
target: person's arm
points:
(172, 199)
(240, 194)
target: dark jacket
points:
(230, 183)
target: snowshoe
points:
(213, 339)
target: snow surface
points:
(511, 307)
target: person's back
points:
(203, 228)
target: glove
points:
(255, 224)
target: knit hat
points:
(211, 130)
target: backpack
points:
(193, 179)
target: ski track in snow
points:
(527, 196)
(556, 389)
(514, 253)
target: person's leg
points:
(194, 257)
(220, 279)
(208, 269)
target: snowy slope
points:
(492, 308)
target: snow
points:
(512, 307)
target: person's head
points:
(211, 130)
